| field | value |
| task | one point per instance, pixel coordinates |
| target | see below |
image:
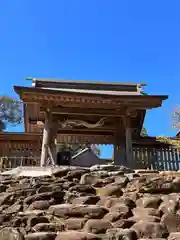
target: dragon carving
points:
(80, 123)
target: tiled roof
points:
(89, 87)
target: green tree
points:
(96, 149)
(10, 112)
(144, 132)
(176, 118)
(176, 125)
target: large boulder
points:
(118, 234)
(5, 198)
(170, 203)
(76, 173)
(61, 172)
(15, 208)
(70, 210)
(75, 223)
(74, 235)
(97, 226)
(171, 221)
(33, 220)
(58, 196)
(174, 236)
(110, 190)
(158, 186)
(123, 209)
(149, 202)
(85, 189)
(123, 223)
(41, 236)
(109, 202)
(39, 205)
(114, 216)
(145, 229)
(49, 227)
(86, 200)
(89, 178)
(9, 233)
(144, 212)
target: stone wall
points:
(101, 202)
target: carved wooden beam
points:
(87, 111)
(69, 123)
(82, 138)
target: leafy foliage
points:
(176, 125)
(175, 142)
(10, 112)
(144, 132)
(176, 118)
(96, 149)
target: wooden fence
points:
(147, 154)
(17, 161)
(157, 158)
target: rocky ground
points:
(104, 202)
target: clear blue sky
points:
(136, 41)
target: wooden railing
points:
(12, 162)
(157, 158)
(144, 157)
(147, 154)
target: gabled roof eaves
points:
(103, 92)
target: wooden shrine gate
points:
(112, 112)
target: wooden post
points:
(53, 150)
(120, 152)
(119, 145)
(116, 154)
(128, 140)
(51, 156)
(45, 141)
(53, 135)
(123, 151)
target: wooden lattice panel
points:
(80, 138)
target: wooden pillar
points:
(116, 144)
(119, 144)
(53, 135)
(53, 151)
(116, 154)
(128, 140)
(120, 152)
(45, 141)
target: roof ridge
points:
(100, 82)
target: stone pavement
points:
(103, 202)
